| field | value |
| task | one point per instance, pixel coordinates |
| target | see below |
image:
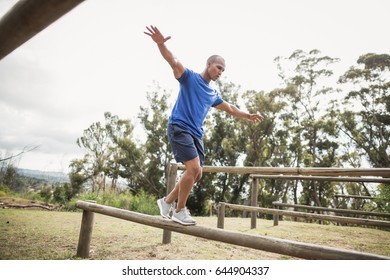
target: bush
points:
(142, 202)
(115, 200)
(45, 193)
(5, 189)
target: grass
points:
(29, 234)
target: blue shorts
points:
(185, 147)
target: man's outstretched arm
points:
(234, 111)
(159, 39)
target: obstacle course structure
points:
(269, 244)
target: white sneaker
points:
(165, 208)
(183, 217)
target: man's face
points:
(216, 68)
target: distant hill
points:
(49, 176)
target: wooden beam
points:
(335, 210)
(354, 196)
(348, 220)
(317, 171)
(323, 178)
(27, 18)
(269, 244)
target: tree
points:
(383, 198)
(312, 139)
(121, 150)
(62, 194)
(95, 141)
(157, 152)
(265, 143)
(111, 154)
(77, 175)
(365, 116)
(9, 178)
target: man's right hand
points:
(156, 35)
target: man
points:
(185, 129)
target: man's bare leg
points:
(184, 186)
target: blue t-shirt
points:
(195, 99)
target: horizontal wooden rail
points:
(334, 210)
(320, 171)
(323, 178)
(354, 196)
(275, 245)
(349, 220)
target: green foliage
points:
(31, 196)
(46, 193)
(142, 202)
(305, 135)
(156, 149)
(4, 189)
(60, 195)
(383, 198)
(111, 152)
(364, 117)
(113, 199)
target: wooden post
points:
(85, 234)
(254, 194)
(276, 216)
(211, 207)
(171, 182)
(221, 215)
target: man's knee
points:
(199, 176)
(195, 170)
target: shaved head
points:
(214, 58)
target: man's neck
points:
(205, 77)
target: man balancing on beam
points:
(185, 130)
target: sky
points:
(97, 59)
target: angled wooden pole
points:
(27, 18)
